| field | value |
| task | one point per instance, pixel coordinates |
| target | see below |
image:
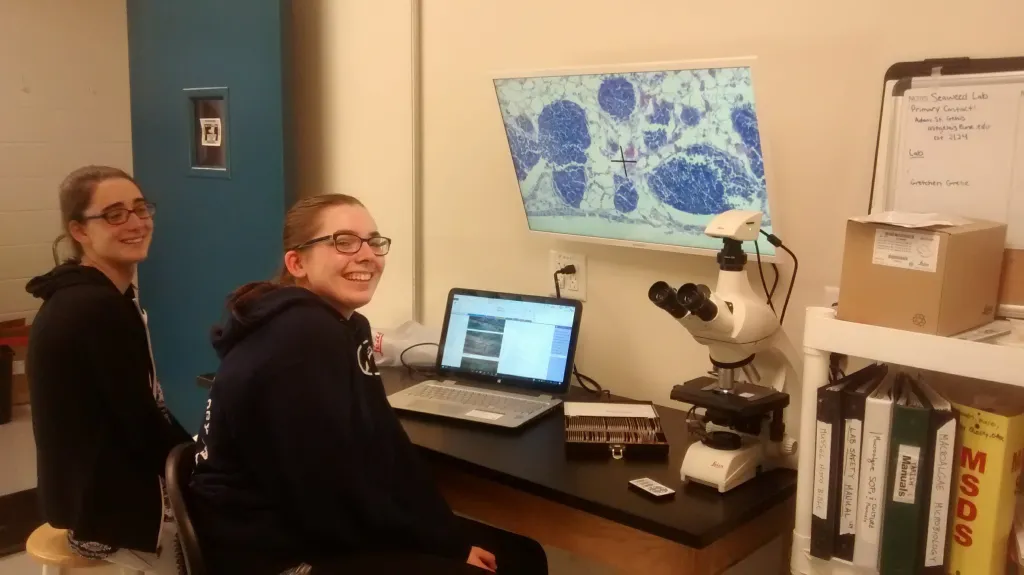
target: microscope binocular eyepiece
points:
(691, 298)
(664, 296)
(696, 299)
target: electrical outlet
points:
(573, 286)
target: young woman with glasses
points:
(302, 467)
(102, 431)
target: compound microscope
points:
(742, 431)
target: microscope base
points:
(722, 469)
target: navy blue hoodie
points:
(300, 458)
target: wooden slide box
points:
(610, 436)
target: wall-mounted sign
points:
(211, 131)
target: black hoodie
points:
(101, 437)
(300, 458)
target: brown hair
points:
(75, 195)
(300, 225)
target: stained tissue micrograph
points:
(617, 97)
(644, 156)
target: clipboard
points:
(941, 74)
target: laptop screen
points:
(526, 340)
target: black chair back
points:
(181, 461)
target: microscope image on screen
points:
(641, 157)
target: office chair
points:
(177, 473)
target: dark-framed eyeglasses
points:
(120, 215)
(350, 243)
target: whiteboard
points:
(978, 173)
(960, 150)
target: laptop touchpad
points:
(439, 407)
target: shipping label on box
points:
(906, 249)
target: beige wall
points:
(352, 77)
(821, 67)
(63, 103)
(820, 73)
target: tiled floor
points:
(20, 450)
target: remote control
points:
(651, 488)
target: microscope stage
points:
(747, 400)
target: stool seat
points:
(49, 546)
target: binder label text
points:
(905, 483)
(871, 496)
(822, 458)
(938, 508)
(851, 473)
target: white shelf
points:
(998, 363)
(824, 333)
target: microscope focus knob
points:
(788, 445)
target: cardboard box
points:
(940, 280)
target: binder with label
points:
(874, 462)
(826, 471)
(944, 446)
(907, 485)
(853, 401)
(828, 465)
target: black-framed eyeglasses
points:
(120, 215)
(351, 243)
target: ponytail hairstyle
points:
(75, 195)
(300, 225)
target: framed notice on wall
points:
(209, 142)
(951, 140)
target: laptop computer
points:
(503, 359)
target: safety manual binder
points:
(853, 404)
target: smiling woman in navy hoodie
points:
(302, 467)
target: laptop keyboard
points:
(479, 399)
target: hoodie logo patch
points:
(365, 358)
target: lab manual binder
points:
(944, 446)
(874, 461)
(853, 405)
(922, 450)
(828, 462)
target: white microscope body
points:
(743, 428)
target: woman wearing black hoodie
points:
(102, 431)
(302, 466)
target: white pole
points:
(815, 375)
(416, 39)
